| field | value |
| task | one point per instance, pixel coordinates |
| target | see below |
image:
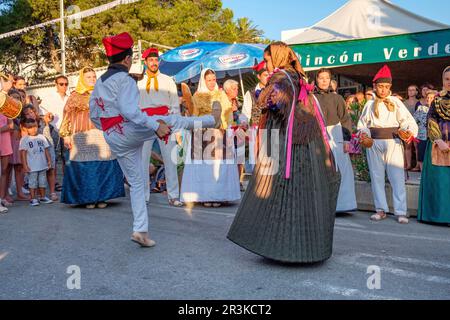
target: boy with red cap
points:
(159, 96)
(114, 108)
(386, 120)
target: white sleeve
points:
(128, 101)
(405, 119)
(247, 105)
(174, 100)
(363, 121)
(23, 143)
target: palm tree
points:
(247, 32)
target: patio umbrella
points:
(230, 60)
(179, 58)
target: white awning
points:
(362, 19)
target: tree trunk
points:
(54, 54)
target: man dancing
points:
(114, 108)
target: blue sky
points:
(272, 16)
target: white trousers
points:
(386, 155)
(169, 153)
(127, 145)
(347, 196)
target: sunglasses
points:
(65, 84)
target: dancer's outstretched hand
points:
(163, 129)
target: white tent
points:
(362, 19)
(362, 35)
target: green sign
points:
(424, 45)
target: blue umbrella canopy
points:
(179, 58)
(229, 59)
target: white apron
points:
(347, 197)
(209, 180)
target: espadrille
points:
(142, 240)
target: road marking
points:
(3, 255)
(423, 263)
(346, 292)
(351, 259)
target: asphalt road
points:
(194, 260)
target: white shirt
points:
(167, 94)
(248, 103)
(35, 147)
(55, 104)
(115, 94)
(401, 117)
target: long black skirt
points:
(290, 220)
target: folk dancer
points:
(115, 110)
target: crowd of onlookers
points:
(31, 146)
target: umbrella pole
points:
(242, 84)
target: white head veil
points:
(444, 91)
(202, 88)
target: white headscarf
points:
(444, 92)
(202, 88)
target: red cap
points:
(260, 67)
(150, 52)
(383, 76)
(117, 44)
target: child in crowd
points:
(157, 174)
(36, 160)
(421, 117)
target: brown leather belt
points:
(383, 133)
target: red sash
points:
(158, 111)
(108, 123)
